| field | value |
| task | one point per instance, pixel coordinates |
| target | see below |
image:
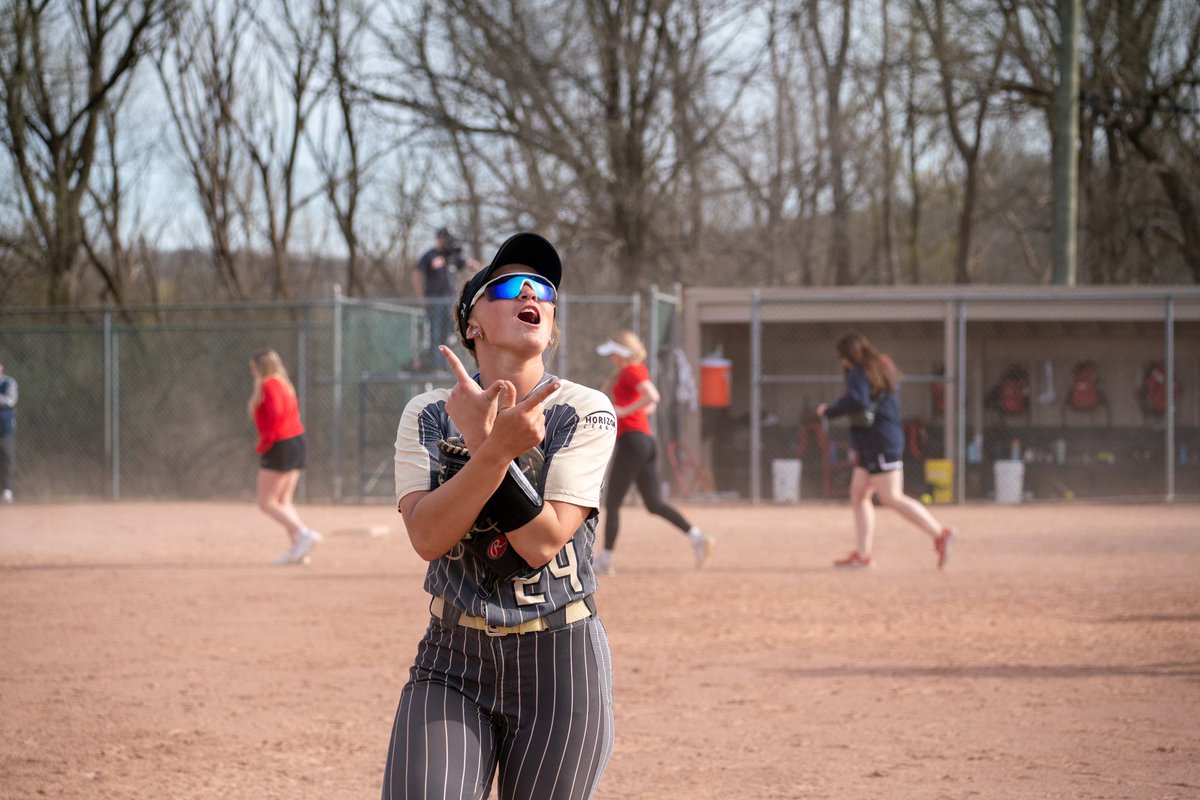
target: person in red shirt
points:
(634, 459)
(276, 414)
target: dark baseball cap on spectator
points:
(528, 249)
(444, 233)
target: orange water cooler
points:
(715, 382)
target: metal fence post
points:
(362, 436)
(960, 402)
(563, 316)
(302, 379)
(652, 338)
(336, 444)
(755, 395)
(116, 414)
(109, 428)
(1170, 356)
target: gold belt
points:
(575, 611)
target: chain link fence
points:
(1060, 398)
(150, 402)
(1037, 395)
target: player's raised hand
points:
(471, 407)
(520, 426)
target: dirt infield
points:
(152, 651)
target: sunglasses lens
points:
(511, 286)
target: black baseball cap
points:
(528, 249)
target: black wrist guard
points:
(514, 503)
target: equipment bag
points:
(1084, 394)
(1010, 395)
(1152, 394)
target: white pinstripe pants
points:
(536, 705)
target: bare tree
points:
(1137, 128)
(887, 149)
(430, 56)
(18, 250)
(913, 151)
(773, 156)
(112, 259)
(339, 147)
(570, 108)
(273, 131)
(625, 129)
(968, 81)
(202, 76)
(1146, 95)
(62, 69)
(832, 58)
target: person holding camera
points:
(434, 281)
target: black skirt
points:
(285, 455)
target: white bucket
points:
(785, 477)
(1010, 481)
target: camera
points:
(450, 245)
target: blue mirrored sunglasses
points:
(509, 287)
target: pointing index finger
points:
(460, 372)
(540, 394)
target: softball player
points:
(873, 405)
(512, 676)
(635, 397)
(276, 414)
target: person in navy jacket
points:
(8, 433)
(872, 402)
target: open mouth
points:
(530, 315)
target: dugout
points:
(780, 345)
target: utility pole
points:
(1066, 150)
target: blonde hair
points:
(637, 354)
(630, 341)
(269, 365)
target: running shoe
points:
(942, 545)
(702, 547)
(602, 564)
(305, 541)
(855, 561)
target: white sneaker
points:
(287, 558)
(6, 496)
(298, 554)
(602, 564)
(306, 541)
(702, 547)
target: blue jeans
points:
(8, 457)
(437, 311)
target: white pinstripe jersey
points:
(580, 434)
